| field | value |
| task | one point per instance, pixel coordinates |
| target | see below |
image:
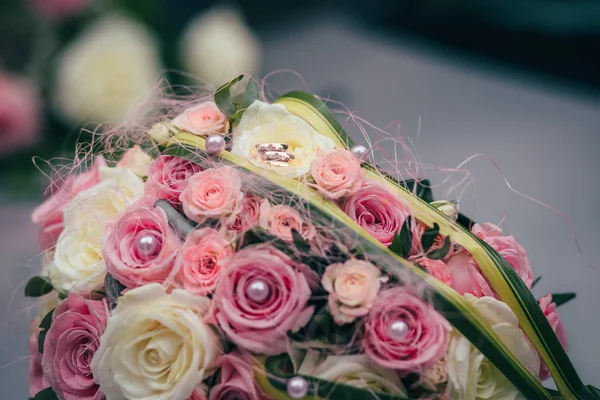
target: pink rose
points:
(424, 341)
(49, 214)
(237, 379)
(549, 309)
(199, 393)
(279, 220)
(59, 9)
(466, 276)
(261, 296)
(70, 345)
(19, 113)
(337, 174)
(140, 247)
(378, 211)
(203, 120)
(37, 380)
(214, 193)
(352, 288)
(197, 267)
(507, 247)
(168, 176)
(437, 268)
(247, 218)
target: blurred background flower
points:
(217, 46)
(106, 70)
(19, 113)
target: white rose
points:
(110, 67)
(217, 46)
(264, 123)
(471, 375)
(156, 346)
(136, 160)
(352, 370)
(78, 264)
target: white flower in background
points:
(110, 67)
(263, 124)
(156, 346)
(217, 46)
(353, 370)
(78, 264)
(471, 375)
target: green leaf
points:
(44, 326)
(278, 370)
(46, 394)
(402, 242)
(458, 311)
(536, 281)
(439, 254)
(429, 237)
(234, 106)
(38, 286)
(223, 97)
(301, 244)
(562, 298)
(112, 288)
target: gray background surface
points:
(545, 141)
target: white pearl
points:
(215, 144)
(359, 151)
(398, 330)
(147, 246)
(258, 290)
(297, 387)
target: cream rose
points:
(352, 288)
(136, 160)
(264, 123)
(156, 346)
(471, 375)
(353, 370)
(78, 264)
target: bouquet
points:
(231, 248)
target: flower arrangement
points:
(249, 250)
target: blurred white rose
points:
(78, 264)
(110, 67)
(474, 377)
(217, 46)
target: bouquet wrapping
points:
(233, 248)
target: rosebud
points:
(160, 132)
(445, 207)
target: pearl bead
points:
(215, 144)
(398, 330)
(147, 246)
(258, 290)
(297, 387)
(359, 151)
